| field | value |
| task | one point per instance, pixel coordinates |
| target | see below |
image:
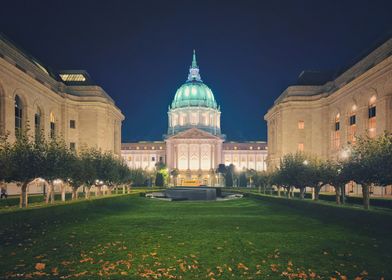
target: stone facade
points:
(67, 104)
(324, 118)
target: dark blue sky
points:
(248, 51)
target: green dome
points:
(194, 93)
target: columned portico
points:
(193, 153)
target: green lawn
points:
(131, 237)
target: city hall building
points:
(66, 104)
(323, 116)
(194, 143)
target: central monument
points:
(194, 139)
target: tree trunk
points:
(74, 193)
(49, 193)
(317, 192)
(52, 193)
(343, 194)
(337, 194)
(259, 189)
(288, 192)
(123, 189)
(63, 186)
(23, 195)
(302, 193)
(279, 191)
(116, 189)
(88, 192)
(366, 196)
(98, 190)
(264, 188)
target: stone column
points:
(219, 153)
(188, 146)
(199, 156)
(211, 156)
(169, 156)
(175, 156)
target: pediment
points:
(194, 133)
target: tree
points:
(174, 173)
(243, 180)
(159, 180)
(5, 157)
(221, 170)
(262, 179)
(229, 176)
(89, 164)
(370, 163)
(57, 159)
(163, 172)
(76, 175)
(329, 173)
(25, 160)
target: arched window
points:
(52, 126)
(37, 124)
(194, 118)
(336, 133)
(372, 117)
(352, 125)
(18, 116)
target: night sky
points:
(248, 51)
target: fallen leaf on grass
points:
(40, 266)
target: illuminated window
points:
(37, 124)
(301, 147)
(243, 158)
(129, 158)
(235, 148)
(336, 133)
(161, 159)
(72, 77)
(352, 127)
(152, 158)
(372, 117)
(301, 124)
(145, 147)
(160, 147)
(18, 116)
(250, 148)
(52, 126)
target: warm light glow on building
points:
(301, 124)
(73, 77)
